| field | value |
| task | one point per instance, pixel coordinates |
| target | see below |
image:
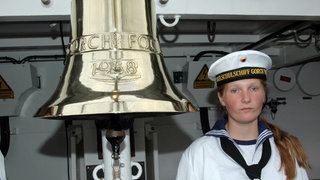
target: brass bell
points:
(114, 65)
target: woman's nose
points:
(245, 97)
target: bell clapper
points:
(115, 92)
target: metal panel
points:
(231, 9)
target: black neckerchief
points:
(252, 171)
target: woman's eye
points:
(234, 90)
(254, 88)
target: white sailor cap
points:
(240, 65)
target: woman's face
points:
(243, 99)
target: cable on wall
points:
(271, 36)
(294, 31)
(61, 37)
(6, 59)
(40, 58)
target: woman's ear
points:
(221, 100)
(265, 99)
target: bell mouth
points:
(102, 117)
(101, 111)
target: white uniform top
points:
(204, 159)
(2, 169)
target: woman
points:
(244, 146)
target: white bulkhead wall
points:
(37, 148)
(55, 9)
(42, 142)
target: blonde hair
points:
(289, 146)
(290, 150)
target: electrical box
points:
(198, 87)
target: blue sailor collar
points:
(219, 130)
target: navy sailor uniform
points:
(205, 158)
